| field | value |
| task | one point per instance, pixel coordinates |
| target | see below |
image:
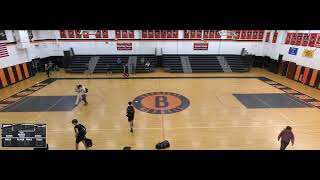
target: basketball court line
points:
(199, 127)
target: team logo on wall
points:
(161, 103)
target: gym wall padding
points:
(313, 77)
(291, 70)
(14, 74)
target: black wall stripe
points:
(1, 86)
(22, 71)
(301, 73)
(309, 76)
(316, 84)
(30, 69)
(15, 74)
(6, 73)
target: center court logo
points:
(161, 103)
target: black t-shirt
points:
(81, 129)
(130, 111)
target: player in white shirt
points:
(81, 90)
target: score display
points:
(24, 135)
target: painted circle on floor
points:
(161, 102)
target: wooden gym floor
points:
(215, 119)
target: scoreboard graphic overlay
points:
(24, 135)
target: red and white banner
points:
(261, 33)
(163, 34)
(118, 34)
(305, 39)
(131, 34)
(212, 33)
(275, 37)
(317, 44)
(299, 39)
(255, 34)
(243, 34)
(169, 33)
(312, 40)
(150, 34)
(124, 46)
(71, 33)
(124, 34)
(288, 38)
(267, 37)
(199, 34)
(62, 34)
(98, 34)
(249, 34)
(293, 38)
(237, 36)
(157, 34)
(193, 34)
(200, 46)
(186, 34)
(3, 50)
(175, 34)
(144, 34)
(78, 35)
(206, 34)
(105, 34)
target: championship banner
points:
(293, 51)
(211, 33)
(305, 40)
(124, 34)
(217, 35)
(98, 34)
(118, 34)
(243, 34)
(275, 36)
(267, 37)
(200, 46)
(131, 34)
(175, 34)
(124, 46)
(249, 34)
(205, 34)
(193, 34)
(169, 33)
(199, 34)
(288, 38)
(163, 34)
(312, 40)
(186, 34)
(78, 34)
(157, 34)
(308, 53)
(63, 34)
(237, 34)
(260, 36)
(71, 33)
(255, 34)
(150, 34)
(105, 33)
(299, 39)
(293, 38)
(318, 41)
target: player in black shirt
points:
(130, 115)
(81, 132)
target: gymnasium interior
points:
(202, 89)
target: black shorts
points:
(130, 118)
(80, 138)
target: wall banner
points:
(308, 53)
(200, 46)
(124, 46)
(293, 51)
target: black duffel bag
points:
(163, 145)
